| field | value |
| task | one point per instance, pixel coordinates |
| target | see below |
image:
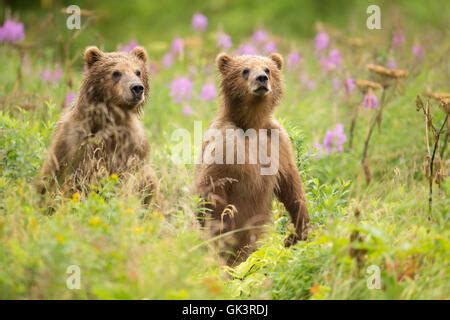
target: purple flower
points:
(167, 60)
(187, 110)
(12, 32)
(70, 98)
(129, 46)
(332, 62)
(208, 92)
(246, 48)
(391, 64)
(270, 47)
(322, 41)
(326, 64)
(370, 100)
(339, 136)
(328, 140)
(260, 36)
(177, 46)
(181, 89)
(224, 41)
(334, 139)
(293, 59)
(398, 38)
(318, 146)
(350, 85)
(199, 22)
(417, 51)
(52, 76)
(335, 57)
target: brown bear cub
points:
(102, 134)
(238, 196)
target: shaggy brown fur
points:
(238, 196)
(102, 133)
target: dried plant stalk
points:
(431, 155)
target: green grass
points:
(128, 252)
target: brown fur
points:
(102, 133)
(238, 196)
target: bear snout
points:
(262, 79)
(261, 85)
(137, 89)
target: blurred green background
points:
(151, 21)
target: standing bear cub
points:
(102, 133)
(238, 193)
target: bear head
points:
(251, 79)
(116, 78)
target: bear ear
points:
(92, 55)
(140, 53)
(278, 59)
(223, 60)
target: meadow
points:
(342, 81)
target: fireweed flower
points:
(199, 22)
(260, 36)
(335, 58)
(187, 110)
(332, 62)
(293, 59)
(70, 98)
(326, 64)
(334, 139)
(322, 41)
(270, 47)
(12, 32)
(246, 48)
(224, 41)
(350, 85)
(181, 90)
(391, 64)
(328, 141)
(417, 51)
(129, 46)
(177, 46)
(318, 146)
(167, 60)
(370, 100)
(398, 39)
(208, 92)
(52, 76)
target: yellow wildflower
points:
(138, 230)
(76, 197)
(60, 238)
(95, 221)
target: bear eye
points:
(138, 73)
(116, 75)
(267, 71)
(245, 72)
